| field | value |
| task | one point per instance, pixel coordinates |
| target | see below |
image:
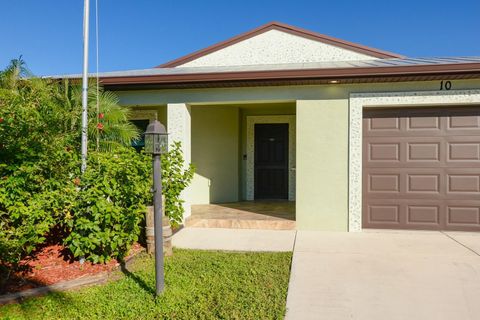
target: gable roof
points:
(284, 28)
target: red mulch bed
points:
(51, 265)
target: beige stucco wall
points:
(272, 94)
(215, 149)
(322, 162)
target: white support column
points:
(179, 128)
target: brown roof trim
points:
(303, 74)
(285, 28)
(292, 82)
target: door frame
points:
(250, 179)
(357, 102)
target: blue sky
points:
(144, 33)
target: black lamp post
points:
(156, 143)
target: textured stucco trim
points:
(358, 101)
(251, 121)
(275, 47)
(179, 129)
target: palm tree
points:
(108, 123)
(16, 70)
(109, 126)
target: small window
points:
(141, 125)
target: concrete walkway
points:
(385, 275)
(234, 239)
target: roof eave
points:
(297, 74)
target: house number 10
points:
(445, 85)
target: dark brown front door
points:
(421, 168)
(271, 161)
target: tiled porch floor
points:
(276, 215)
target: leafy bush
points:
(36, 164)
(175, 178)
(111, 201)
(41, 194)
(110, 205)
(39, 156)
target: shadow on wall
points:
(215, 141)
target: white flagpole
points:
(86, 14)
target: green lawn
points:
(199, 285)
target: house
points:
(357, 137)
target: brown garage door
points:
(421, 168)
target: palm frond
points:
(11, 75)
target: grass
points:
(198, 285)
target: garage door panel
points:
(381, 182)
(408, 126)
(463, 216)
(403, 214)
(423, 151)
(463, 184)
(423, 214)
(463, 121)
(416, 183)
(421, 169)
(383, 152)
(463, 149)
(384, 214)
(423, 184)
(422, 124)
(384, 124)
(395, 151)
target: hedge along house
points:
(354, 137)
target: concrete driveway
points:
(385, 275)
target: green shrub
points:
(41, 194)
(111, 201)
(110, 204)
(175, 178)
(34, 200)
(39, 156)
(37, 165)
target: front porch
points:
(245, 160)
(268, 214)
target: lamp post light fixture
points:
(156, 143)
